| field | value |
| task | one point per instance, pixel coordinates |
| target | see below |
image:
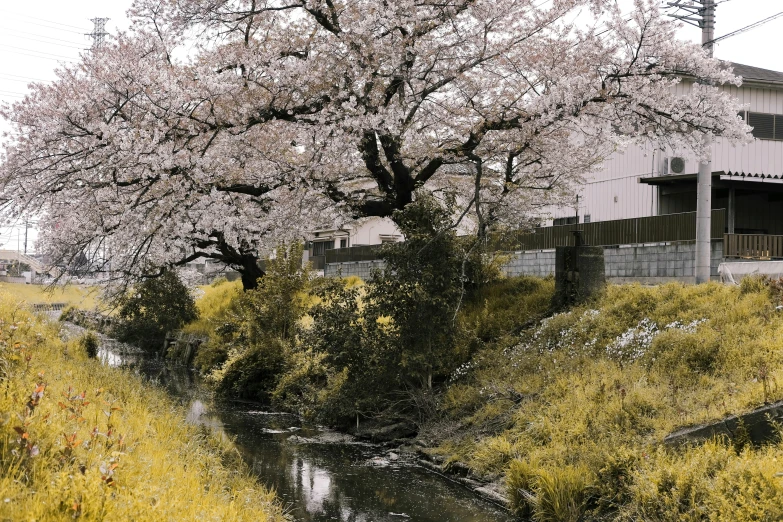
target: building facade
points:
(651, 180)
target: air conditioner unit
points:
(673, 165)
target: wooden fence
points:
(752, 246)
(654, 229)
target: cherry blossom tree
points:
(216, 127)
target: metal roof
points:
(724, 176)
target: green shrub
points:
(89, 343)
(254, 372)
(152, 308)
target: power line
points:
(41, 57)
(39, 35)
(746, 28)
(12, 80)
(52, 27)
(13, 93)
(42, 19)
(40, 52)
(25, 77)
(50, 43)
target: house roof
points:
(749, 72)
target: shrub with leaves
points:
(152, 308)
(89, 343)
(260, 328)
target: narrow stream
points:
(318, 474)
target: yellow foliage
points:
(616, 376)
(212, 304)
(84, 297)
(82, 440)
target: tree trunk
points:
(250, 272)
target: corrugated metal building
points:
(652, 180)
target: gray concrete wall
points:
(361, 269)
(650, 263)
(540, 263)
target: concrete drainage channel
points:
(760, 426)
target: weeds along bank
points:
(571, 413)
(84, 441)
(567, 411)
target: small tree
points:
(419, 291)
(265, 327)
(152, 308)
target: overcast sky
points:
(35, 39)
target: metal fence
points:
(356, 253)
(654, 229)
(752, 246)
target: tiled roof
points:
(756, 73)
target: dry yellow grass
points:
(596, 389)
(85, 441)
(84, 297)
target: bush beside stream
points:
(568, 411)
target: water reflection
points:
(316, 481)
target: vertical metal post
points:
(704, 187)
(732, 210)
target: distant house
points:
(364, 232)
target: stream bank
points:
(319, 475)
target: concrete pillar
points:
(704, 195)
(703, 215)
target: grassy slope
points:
(574, 409)
(79, 296)
(122, 452)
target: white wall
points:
(366, 231)
(614, 192)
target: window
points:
(765, 126)
(573, 220)
(587, 218)
(320, 247)
(343, 243)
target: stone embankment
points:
(759, 426)
(90, 320)
(181, 347)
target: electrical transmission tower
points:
(98, 33)
(701, 13)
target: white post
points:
(704, 187)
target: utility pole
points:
(98, 33)
(702, 15)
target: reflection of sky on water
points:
(316, 482)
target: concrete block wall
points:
(540, 263)
(361, 269)
(649, 263)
